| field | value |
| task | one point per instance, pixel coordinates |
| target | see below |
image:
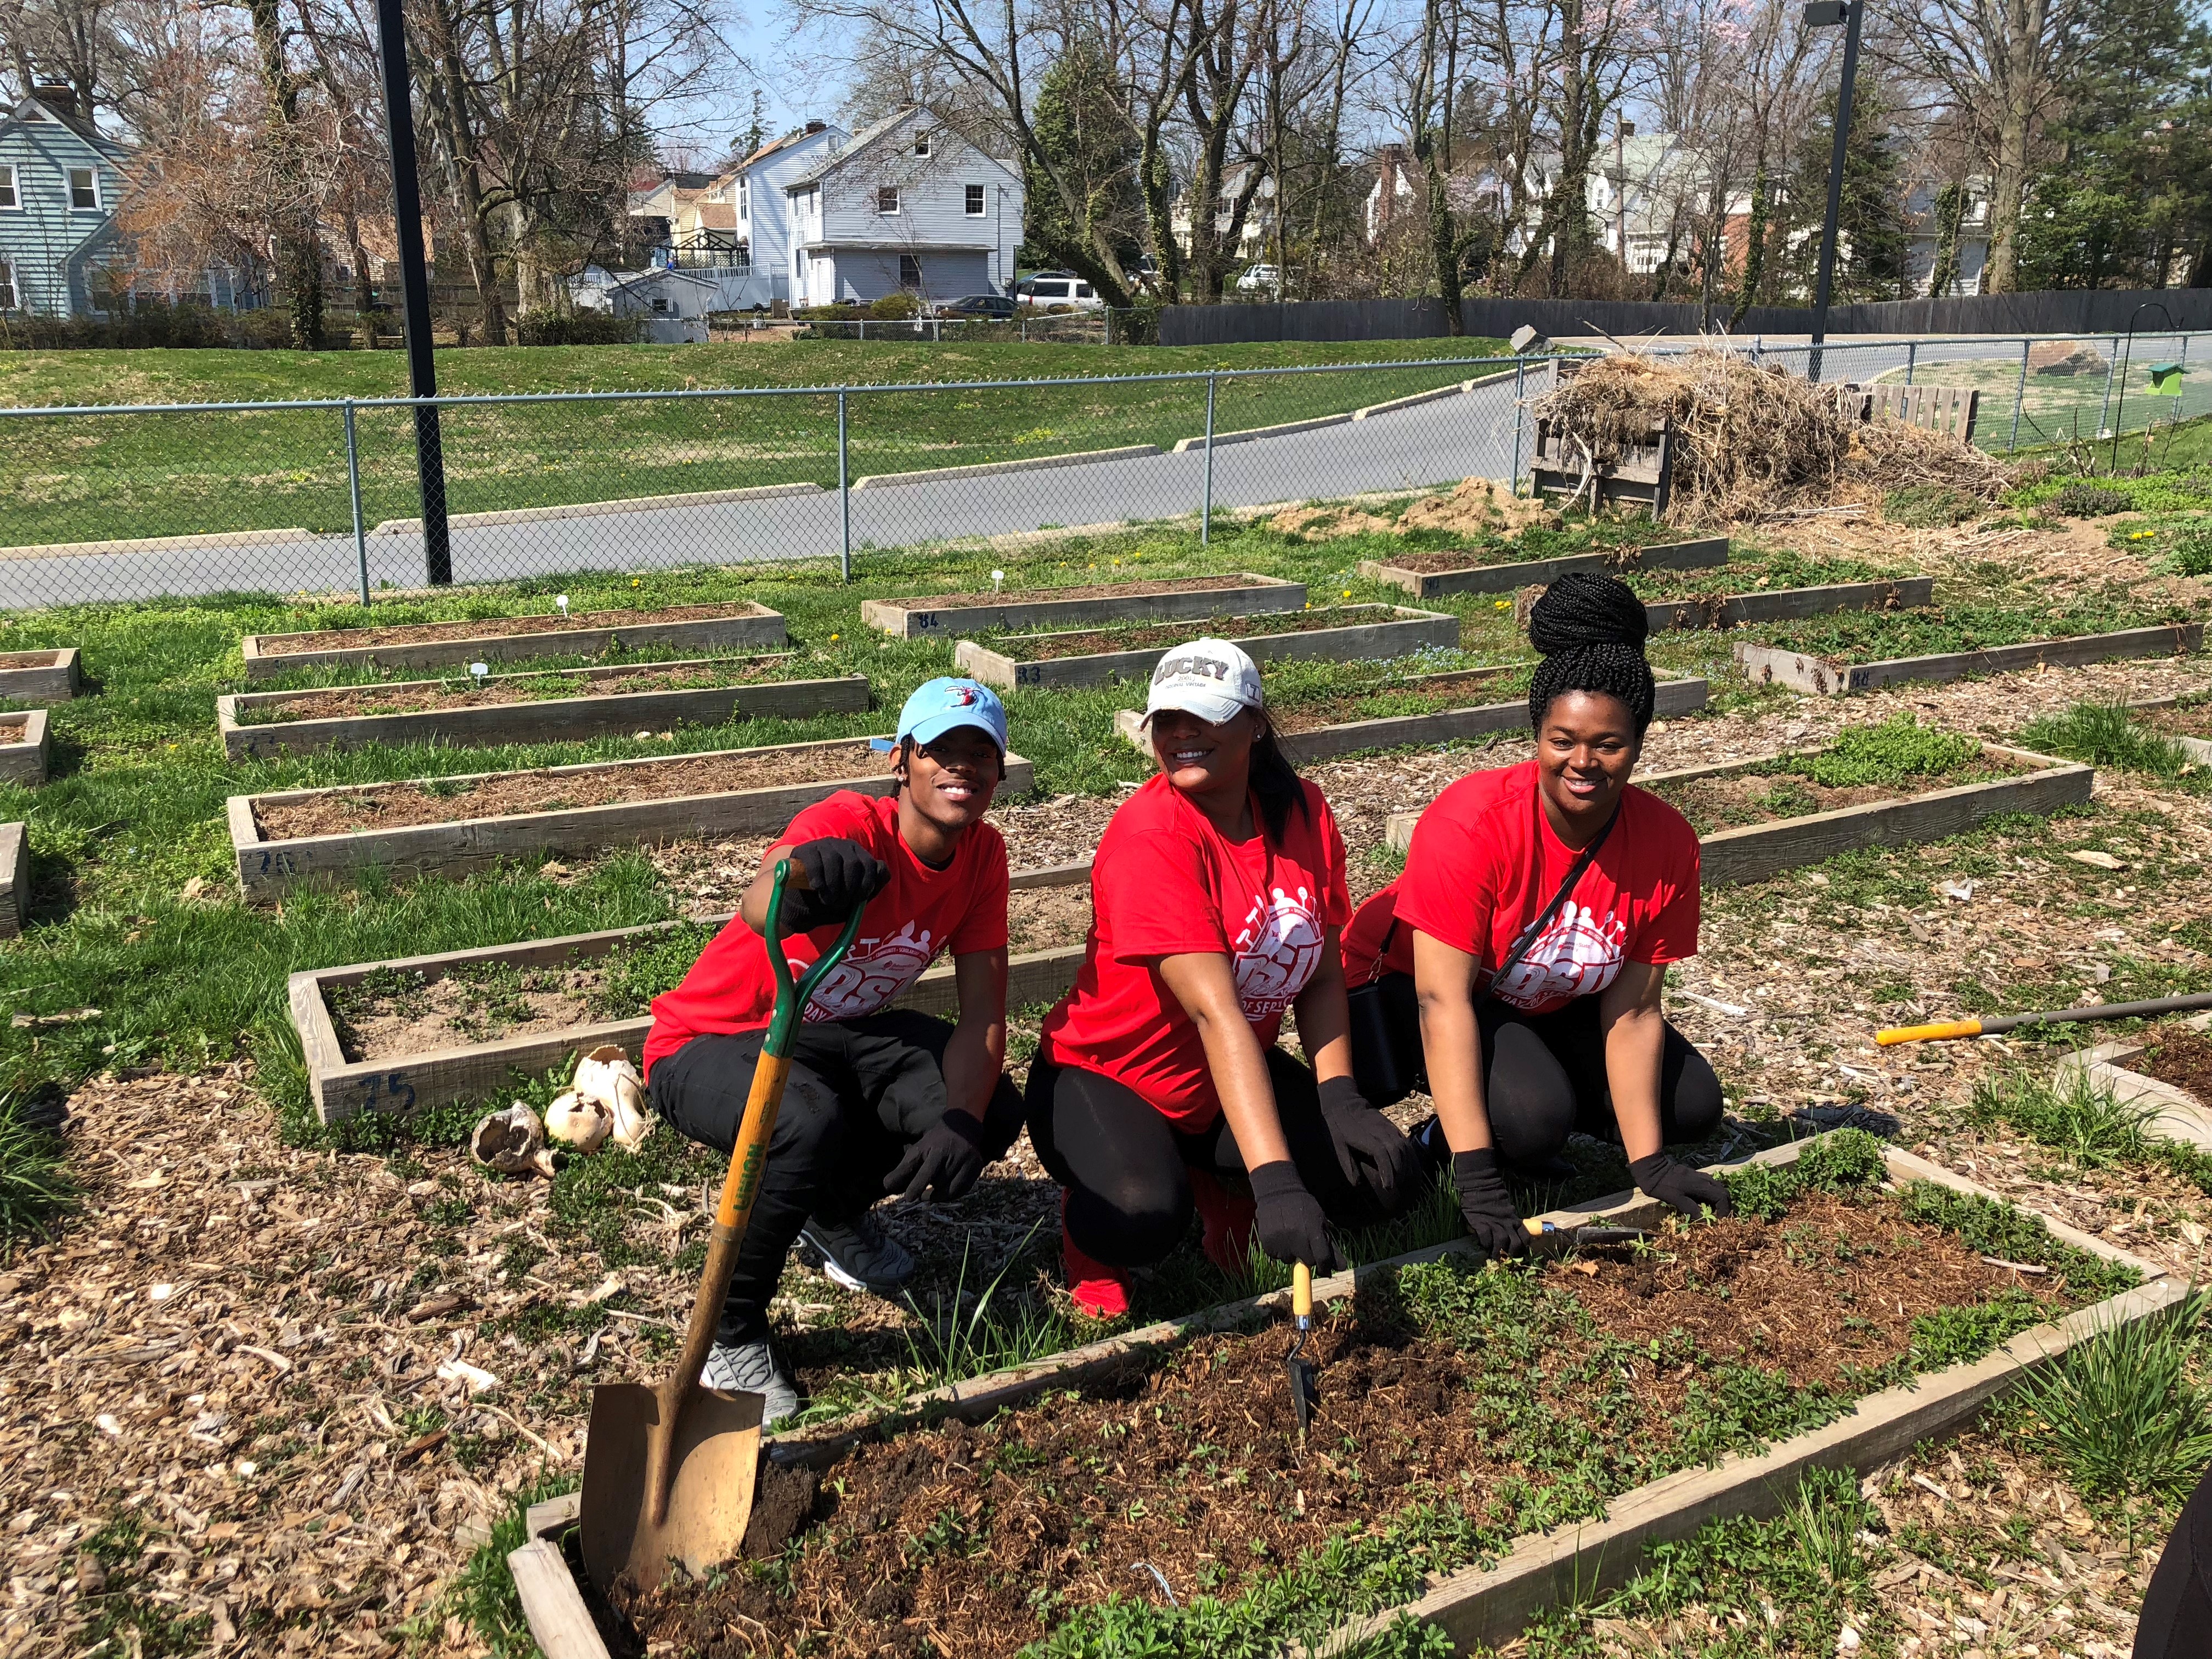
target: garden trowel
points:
(669, 1469)
(1305, 1392)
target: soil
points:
(955, 1536)
(12, 659)
(491, 628)
(340, 702)
(1747, 798)
(13, 728)
(1033, 648)
(502, 794)
(2188, 720)
(2179, 1056)
(1096, 591)
(1430, 697)
(1478, 505)
(404, 1014)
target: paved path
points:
(1433, 443)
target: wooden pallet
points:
(1952, 408)
(1643, 475)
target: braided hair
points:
(1590, 630)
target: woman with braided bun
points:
(1581, 888)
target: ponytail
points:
(1275, 782)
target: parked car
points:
(1058, 288)
(1259, 279)
(981, 307)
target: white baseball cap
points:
(1209, 679)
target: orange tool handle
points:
(1938, 1032)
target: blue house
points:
(60, 181)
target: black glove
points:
(1680, 1185)
(948, 1157)
(1485, 1204)
(1289, 1224)
(1372, 1152)
(842, 876)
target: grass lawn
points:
(139, 476)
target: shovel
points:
(669, 1469)
(1305, 1391)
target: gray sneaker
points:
(753, 1368)
(860, 1254)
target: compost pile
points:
(1751, 438)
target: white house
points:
(672, 303)
(908, 204)
(1253, 238)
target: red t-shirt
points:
(921, 913)
(1166, 882)
(1485, 860)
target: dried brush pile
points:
(1751, 438)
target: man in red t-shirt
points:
(1217, 897)
(1519, 1052)
(879, 1099)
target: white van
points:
(1059, 288)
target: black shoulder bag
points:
(1386, 1017)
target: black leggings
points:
(2176, 1621)
(1543, 1075)
(860, 1093)
(1125, 1165)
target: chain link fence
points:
(123, 502)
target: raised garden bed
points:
(1342, 633)
(15, 880)
(2186, 722)
(41, 676)
(1462, 1410)
(1439, 712)
(567, 705)
(446, 825)
(1240, 595)
(2166, 1070)
(1464, 571)
(1787, 604)
(742, 626)
(404, 1035)
(1828, 676)
(26, 748)
(1772, 814)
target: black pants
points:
(2176, 1622)
(1543, 1075)
(860, 1091)
(1124, 1164)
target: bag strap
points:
(1521, 945)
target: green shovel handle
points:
(791, 993)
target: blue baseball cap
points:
(945, 705)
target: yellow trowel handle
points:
(1302, 1294)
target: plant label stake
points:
(562, 599)
(669, 1470)
(997, 576)
(1305, 1392)
(477, 673)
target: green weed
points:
(482, 1594)
(2077, 1118)
(1998, 1230)
(2103, 734)
(2124, 1413)
(1896, 751)
(2081, 500)
(35, 1186)
(1928, 507)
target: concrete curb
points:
(1417, 399)
(593, 509)
(986, 469)
(161, 544)
(1189, 446)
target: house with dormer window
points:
(60, 180)
(908, 203)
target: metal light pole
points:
(1826, 14)
(415, 282)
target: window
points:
(8, 300)
(84, 188)
(1083, 290)
(921, 143)
(802, 263)
(975, 201)
(8, 197)
(887, 199)
(909, 271)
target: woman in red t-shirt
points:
(879, 1099)
(1217, 893)
(1572, 1035)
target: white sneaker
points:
(753, 1368)
(860, 1255)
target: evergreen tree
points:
(1084, 137)
(1871, 237)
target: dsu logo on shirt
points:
(1577, 956)
(1277, 950)
(870, 978)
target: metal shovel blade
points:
(715, 1461)
(1305, 1384)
